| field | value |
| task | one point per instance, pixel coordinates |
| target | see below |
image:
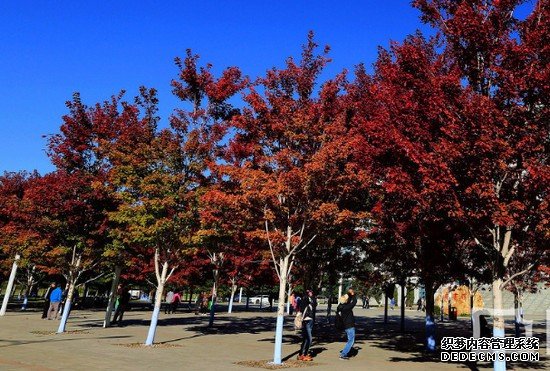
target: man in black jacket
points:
(123, 303)
(47, 301)
(345, 310)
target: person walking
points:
(198, 304)
(345, 310)
(47, 301)
(168, 301)
(55, 299)
(123, 302)
(271, 298)
(291, 300)
(175, 302)
(205, 303)
(308, 306)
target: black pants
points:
(45, 309)
(119, 313)
(174, 307)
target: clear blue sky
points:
(50, 49)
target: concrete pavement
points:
(28, 343)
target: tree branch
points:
(299, 248)
(171, 272)
(157, 271)
(277, 270)
(150, 283)
(506, 243)
(92, 279)
(509, 255)
(503, 285)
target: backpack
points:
(298, 321)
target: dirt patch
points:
(141, 345)
(268, 365)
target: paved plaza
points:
(28, 343)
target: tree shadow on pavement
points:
(411, 342)
(57, 339)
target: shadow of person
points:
(354, 351)
(317, 350)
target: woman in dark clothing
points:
(47, 301)
(307, 307)
(345, 310)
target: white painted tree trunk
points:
(498, 320)
(112, 296)
(241, 295)
(67, 307)
(233, 290)
(161, 278)
(155, 316)
(340, 284)
(284, 267)
(28, 287)
(214, 297)
(9, 288)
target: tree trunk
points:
(284, 267)
(430, 320)
(442, 302)
(9, 288)
(402, 325)
(112, 297)
(156, 310)
(190, 300)
(261, 297)
(340, 284)
(385, 308)
(331, 283)
(67, 306)
(472, 293)
(214, 295)
(233, 290)
(28, 287)
(498, 321)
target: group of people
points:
(305, 307)
(121, 304)
(172, 301)
(366, 302)
(421, 304)
(52, 302)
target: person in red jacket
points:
(175, 302)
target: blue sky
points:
(50, 49)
